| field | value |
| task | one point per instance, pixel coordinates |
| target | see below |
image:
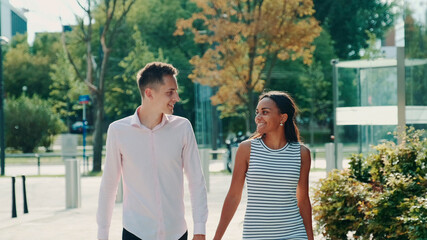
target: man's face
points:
(166, 95)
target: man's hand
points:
(199, 237)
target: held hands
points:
(199, 237)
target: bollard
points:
(13, 199)
(38, 164)
(204, 153)
(119, 195)
(24, 194)
(330, 156)
(233, 157)
(72, 183)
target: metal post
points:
(14, 215)
(84, 132)
(24, 194)
(72, 183)
(401, 91)
(334, 63)
(119, 194)
(205, 160)
(38, 164)
(2, 143)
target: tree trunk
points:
(97, 135)
(251, 110)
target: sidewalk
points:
(48, 219)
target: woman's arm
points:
(235, 192)
(302, 192)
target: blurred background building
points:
(12, 20)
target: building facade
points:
(12, 20)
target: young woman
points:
(276, 167)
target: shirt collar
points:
(136, 123)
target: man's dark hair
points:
(153, 74)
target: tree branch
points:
(118, 23)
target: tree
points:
(110, 15)
(247, 38)
(30, 123)
(372, 51)
(22, 68)
(348, 20)
(65, 89)
(124, 97)
(317, 96)
(157, 26)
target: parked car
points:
(77, 127)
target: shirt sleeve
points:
(109, 183)
(196, 181)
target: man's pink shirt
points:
(153, 164)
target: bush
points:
(30, 123)
(381, 196)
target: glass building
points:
(376, 97)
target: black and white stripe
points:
(272, 178)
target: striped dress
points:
(272, 178)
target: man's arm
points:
(196, 182)
(109, 183)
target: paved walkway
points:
(48, 219)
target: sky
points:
(43, 15)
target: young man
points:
(152, 150)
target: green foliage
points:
(124, 96)
(383, 195)
(372, 52)
(347, 21)
(338, 203)
(24, 68)
(310, 85)
(415, 37)
(30, 123)
(156, 25)
(65, 89)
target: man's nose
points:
(176, 98)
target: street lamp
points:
(2, 143)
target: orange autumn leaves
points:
(244, 36)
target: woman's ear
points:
(284, 118)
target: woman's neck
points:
(274, 140)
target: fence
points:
(38, 156)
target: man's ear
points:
(148, 92)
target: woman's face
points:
(268, 116)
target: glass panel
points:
(378, 86)
(348, 87)
(416, 62)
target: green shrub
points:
(29, 123)
(381, 196)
